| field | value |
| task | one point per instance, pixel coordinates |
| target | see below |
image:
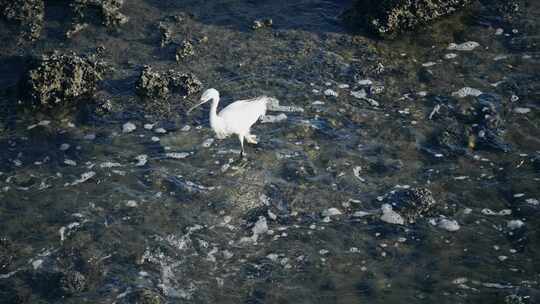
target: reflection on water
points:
(89, 213)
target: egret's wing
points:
(242, 114)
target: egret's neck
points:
(214, 118)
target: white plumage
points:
(236, 118)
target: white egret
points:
(236, 118)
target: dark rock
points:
(24, 179)
(72, 282)
(166, 35)
(28, 14)
(298, 171)
(411, 203)
(452, 139)
(109, 11)
(63, 78)
(387, 18)
(488, 126)
(7, 255)
(13, 293)
(145, 296)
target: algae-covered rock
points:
(388, 17)
(152, 84)
(412, 203)
(63, 78)
(28, 14)
(109, 11)
(155, 85)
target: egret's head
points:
(210, 94)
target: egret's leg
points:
(252, 139)
(241, 138)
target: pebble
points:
(359, 94)
(515, 224)
(365, 82)
(142, 159)
(273, 118)
(499, 31)
(331, 212)
(70, 162)
(361, 214)
(208, 142)
(185, 128)
(109, 165)
(450, 56)
(84, 177)
(428, 64)
(128, 127)
(343, 86)
(160, 131)
(64, 147)
(260, 227)
(520, 110)
(148, 126)
(532, 201)
(154, 139)
(448, 225)
(487, 211)
(390, 216)
(466, 46)
(90, 136)
(177, 155)
(467, 91)
(330, 92)
(131, 204)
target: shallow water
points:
(190, 227)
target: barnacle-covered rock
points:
(389, 17)
(62, 78)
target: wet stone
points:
(412, 203)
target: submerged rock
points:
(7, 255)
(28, 14)
(63, 78)
(144, 296)
(389, 17)
(411, 203)
(72, 282)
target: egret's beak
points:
(195, 106)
